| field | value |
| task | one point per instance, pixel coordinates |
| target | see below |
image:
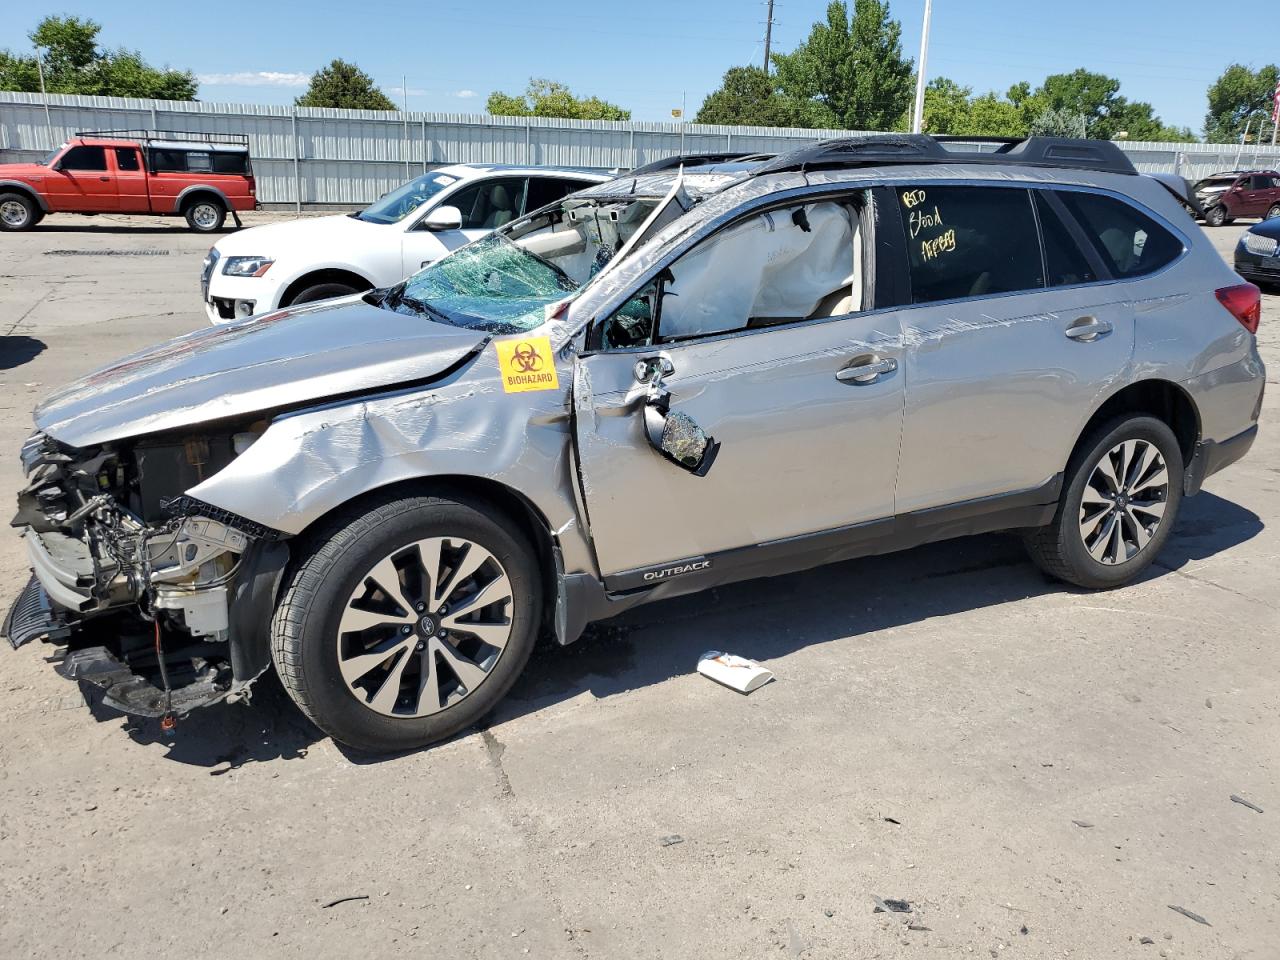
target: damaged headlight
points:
(247, 266)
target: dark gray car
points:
(659, 384)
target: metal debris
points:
(890, 906)
(1245, 803)
(671, 840)
(919, 927)
(1189, 915)
(334, 903)
(893, 821)
(1082, 823)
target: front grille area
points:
(1260, 246)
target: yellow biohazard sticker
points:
(526, 364)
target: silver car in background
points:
(659, 384)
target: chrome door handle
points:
(866, 369)
(1088, 329)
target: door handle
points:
(866, 369)
(1088, 329)
(105, 179)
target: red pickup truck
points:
(200, 176)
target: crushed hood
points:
(259, 365)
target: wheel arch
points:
(521, 512)
(197, 191)
(323, 275)
(17, 186)
(1162, 399)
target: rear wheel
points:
(1118, 508)
(205, 214)
(322, 291)
(1216, 216)
(17, 212)
(407, 623)
(1273, 212)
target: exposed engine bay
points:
(142, 577)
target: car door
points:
(131, 180)
(1015, 333)
(82, 183)
(760, 336)
(484, 204)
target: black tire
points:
(205, 214)
(1273, 212)
(1059, 548)
(305, 628)
(18, 212)
(1216, 216)
(322, 291)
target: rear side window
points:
(85, 158)
(544, 190)
(126, 158)
(231, 163)
(1064, 262)
(168, 161)
(1127, 240)
(969, 241)
(199, 161)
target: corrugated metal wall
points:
(319, 157)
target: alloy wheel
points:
(424, 628)
(13, 213)
(1123, 502)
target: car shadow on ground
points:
(178, 226)
(762, 619)
(15, 350)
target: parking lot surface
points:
(1039, 771)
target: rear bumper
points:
(1210, 457)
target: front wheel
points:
(17, 212)
(205, 215)
(321, 291)
(1123, 490)
(1216, 216)
(404, 624)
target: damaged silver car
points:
(662, 383)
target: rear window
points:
(969, 241)
(1129, 242)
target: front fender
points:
(312, 462)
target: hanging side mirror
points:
(674, 435)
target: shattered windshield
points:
(491, 285)
(403, 200)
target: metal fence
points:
(306, 156)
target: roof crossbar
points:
(916, 148)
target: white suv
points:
(262, 268)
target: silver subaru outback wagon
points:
(661, 383)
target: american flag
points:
(1275, 109)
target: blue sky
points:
(647, 56)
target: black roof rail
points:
(696, 160)
(193, 136)
(894, 149)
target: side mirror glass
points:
(677, 435)
(443, 218)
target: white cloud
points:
(465, 94)
(255, 78)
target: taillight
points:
(253, 186)
(1244, 301)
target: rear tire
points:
(322, 291)
(1273, 212)
(363, 636)
(18, 212)
(205, 215)
(1123, 490)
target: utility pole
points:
(404, 87)
(917, 114)
(48, 121)
(768, 37)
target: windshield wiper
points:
(423, 307)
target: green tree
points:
(950, 108)
(850, 72)
(547, 98)
(750, 97)
(346, 86)
(989, 116)
(1237, 96)
(1052, 122)
(1064, 97)
(74, 63)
